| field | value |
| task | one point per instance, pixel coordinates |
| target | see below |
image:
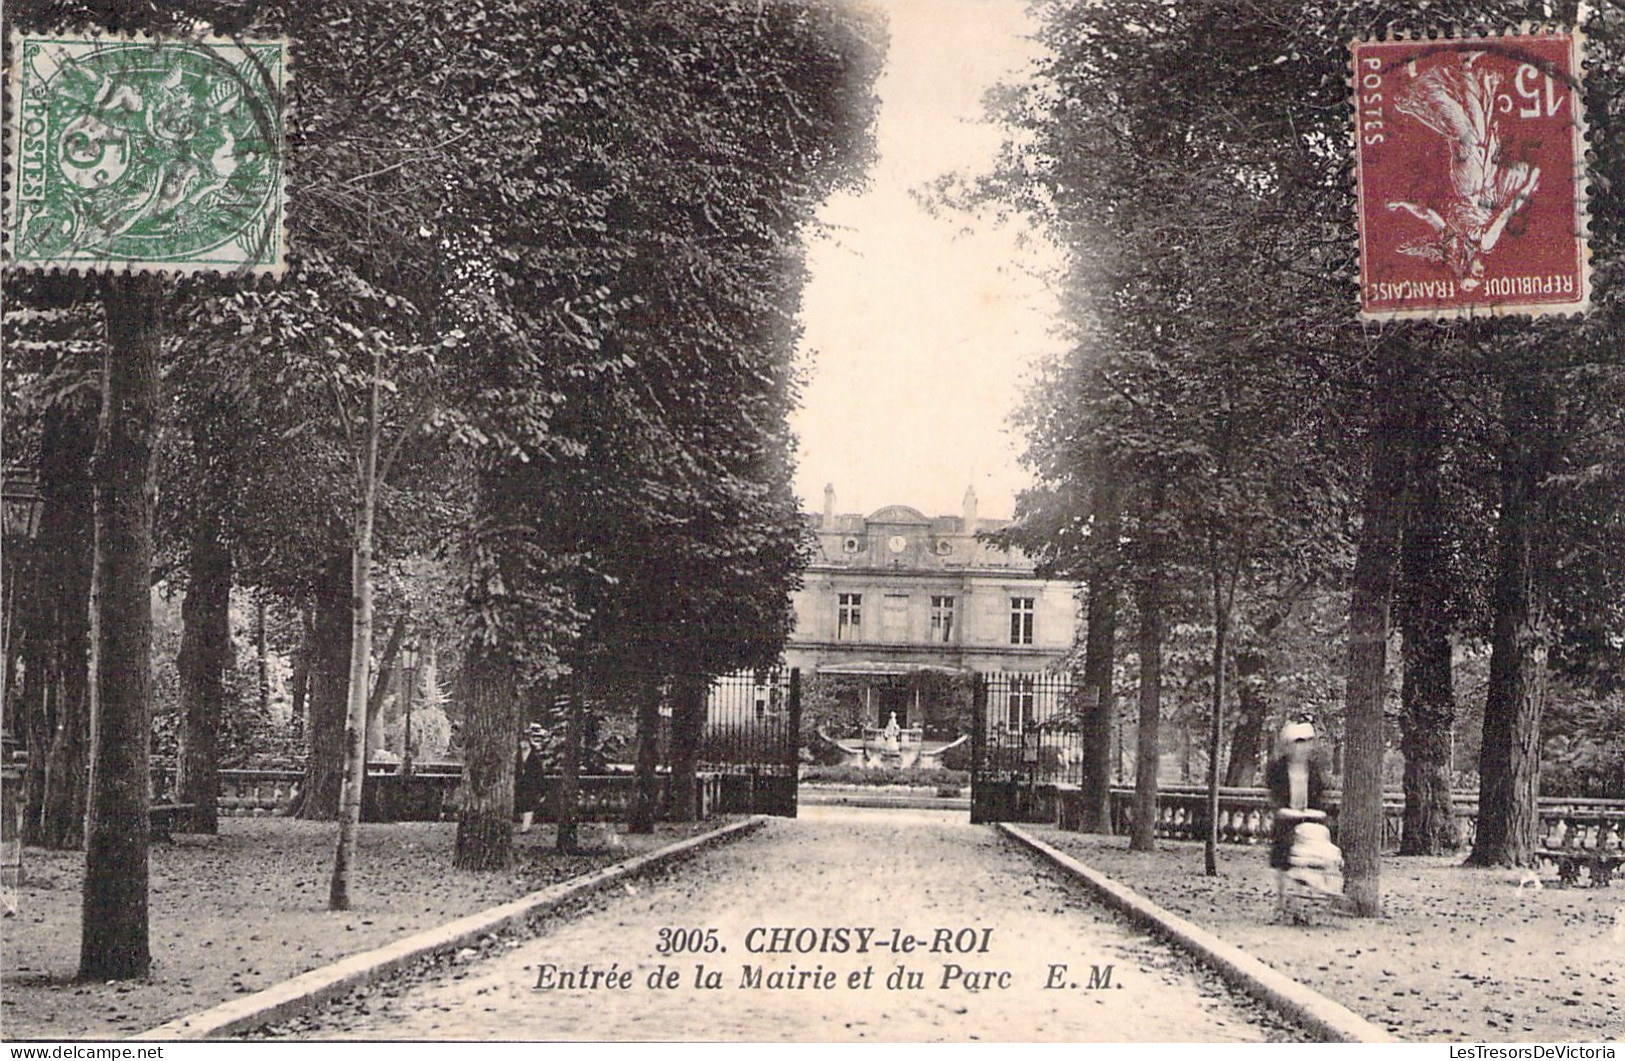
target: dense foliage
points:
(1214, 441)
(546, 260)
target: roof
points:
(900, 514)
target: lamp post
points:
(409, 674)
(23, 505)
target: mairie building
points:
(897, 605)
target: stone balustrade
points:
(1588, 825)
(1246, 816)
(256, 793)
(609, 797)
(429, 794)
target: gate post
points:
(793, 751)
(978, 750)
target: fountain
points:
(891, 745)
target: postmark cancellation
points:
(146, 155)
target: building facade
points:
(899, 609)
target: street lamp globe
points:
(23, 504)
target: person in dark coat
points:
(528, 773)
(1298, 793)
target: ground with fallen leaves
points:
(241, 911)
(1460, 955)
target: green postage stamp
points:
(129, 153)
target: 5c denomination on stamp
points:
(145, 154)
(1470, 171)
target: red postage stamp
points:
(1470, 168)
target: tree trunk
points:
(1119, 755)
(57, 679)
(262, 658)
(687, 726)
(1376, 564)
(381, 688)
(204, 661)
(1221, 638)
(1185, 773)
(1247, 736)
(490, 699)
(329, 676)
(67, 771)
(648, 795)
(1099, 649)
(1509, 763)
(566, 839)
(355, 716)
(1427, 740)
(299, 680)
(114, 944)
(37, 710)
(1428, 703)
(1149, 751)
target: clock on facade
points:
(897, 543)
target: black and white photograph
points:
(812, 521)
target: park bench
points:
(164, 817)
(1594, 842)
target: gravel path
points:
(1008, 921)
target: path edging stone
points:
(1296, 1001)
(305, 992)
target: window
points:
(942, 619)
(849, 545)
(1021, 620)
(1019, 710)
(894, 619)
(849, 617)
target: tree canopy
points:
(1194, 162)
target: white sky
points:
(919, 333)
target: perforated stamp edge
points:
(1579, 146)
(9, 203)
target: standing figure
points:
(1298, 792)
(892, 734)
(529, 774)
(1486, 188)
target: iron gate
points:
(752, 739)
(1025, 739)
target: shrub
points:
(884, 775)
(957, 758)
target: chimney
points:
(970, 510)
(829, 506)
